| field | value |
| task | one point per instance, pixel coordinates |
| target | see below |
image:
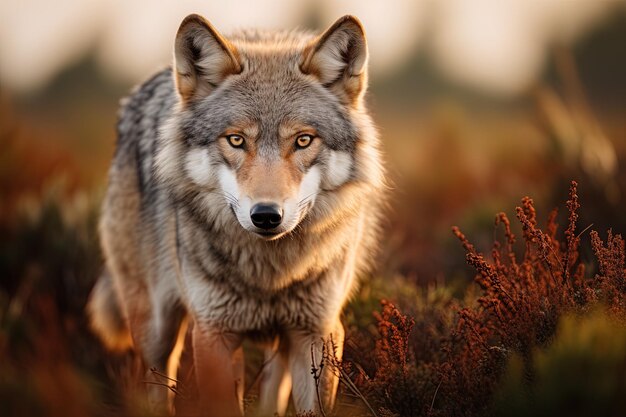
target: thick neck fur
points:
(216, 242)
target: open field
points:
(422, 338)
(520, 311)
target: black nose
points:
(266, 215)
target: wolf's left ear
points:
(202, 58)
(338, 58)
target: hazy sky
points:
(498, 46)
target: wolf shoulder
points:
(145, 109)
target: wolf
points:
(244, 198)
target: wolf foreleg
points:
(215, 363)
(276, 383)
(307, 351)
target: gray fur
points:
(106, 316)
(175, 249)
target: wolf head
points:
(268, 123)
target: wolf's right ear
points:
(202, 58)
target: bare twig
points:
(584, 230)
(157, 373)
(172, 388)
(432, 403)
(345, 379)
(257, 376)
(317, 374)
(336, 366)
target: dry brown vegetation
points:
(449, 360)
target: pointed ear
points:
(338, 58)
(202, 58)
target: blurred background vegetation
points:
(477, 106)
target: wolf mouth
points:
(269, 235)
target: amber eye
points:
(235, 141)
(303, 141)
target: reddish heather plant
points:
(398, 383)
(517, 311)
(610, 281)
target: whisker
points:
(231, 199)
(305, 199)
(303, 203)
